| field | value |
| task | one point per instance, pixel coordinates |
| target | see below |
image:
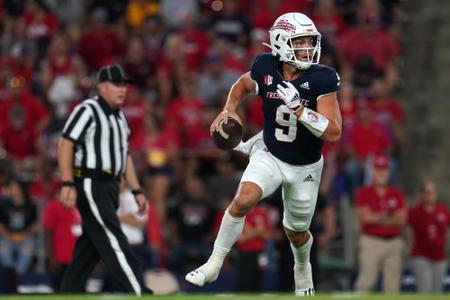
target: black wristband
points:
(137, 192)
(68, 183)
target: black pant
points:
(102, 238)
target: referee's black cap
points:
(113, 73)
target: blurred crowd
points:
(183, 57)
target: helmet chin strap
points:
(298, 66)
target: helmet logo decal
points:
(284, 25)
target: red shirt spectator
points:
(429, 221)
(328, 21)
(369, 40)
(369, 140)
(18, 139)
(98, 43)
(331, 26)
(20, 62)
(59, 60)
(385, 109)
(184, 112)
(195, 43)
(267, 11)
(42, 192)
(367, 137)
(199, 137)
(256, 230)
(157, 146)
(39, 21)
(64, 227)
(136, 109)
(63, 66)
(382, 214)
(35, 114)
(387, 112)
(264, 18)
(44, 187)
(429, 229)
(136, 64)
(392, 201)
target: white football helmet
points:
(288, 27)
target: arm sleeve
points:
(75, 127)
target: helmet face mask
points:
(284, 34)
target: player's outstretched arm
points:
(239, 90)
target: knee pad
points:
(298, 214)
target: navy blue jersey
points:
(285, 137)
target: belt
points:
(95, 174)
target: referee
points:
(93, 157)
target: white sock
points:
(229, 232)
(301, 254)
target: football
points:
(229, 135)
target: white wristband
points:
(315, 122)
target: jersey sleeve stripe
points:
(72, 118)
(324, 95)
(77, 124)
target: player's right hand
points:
(68, 196)
(290, 95)
(223, 117)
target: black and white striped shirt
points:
(100, 135)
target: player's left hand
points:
(142, 203)
(223, 117)
(290, 95)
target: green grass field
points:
(233, 297)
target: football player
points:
(301, 111)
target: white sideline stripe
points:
(112, 238)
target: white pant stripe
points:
(87, 185)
